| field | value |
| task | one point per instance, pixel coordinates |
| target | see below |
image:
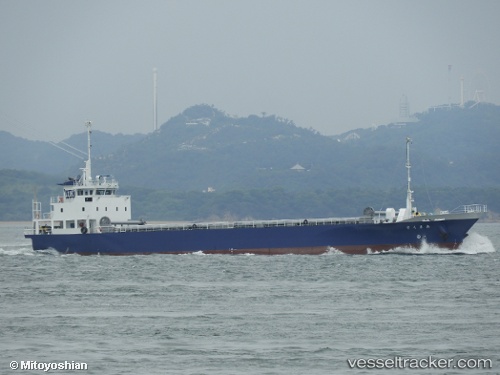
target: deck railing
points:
(233, 225)
(470, 208)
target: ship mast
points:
(87, 173)
(409, 198)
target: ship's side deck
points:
(138, 226)
(459, 212)
(236, 224)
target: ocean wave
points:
(28, 251)
(472, 245)
(16, 250)
(333, 251)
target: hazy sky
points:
(330, 65)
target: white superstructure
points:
(86, 205)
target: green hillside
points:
(17, 189)
(204, 147)
(267, 167)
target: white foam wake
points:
(15, 250)
(473, 244)
(28, 251)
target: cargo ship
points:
(90, 217)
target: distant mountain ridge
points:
(267, 167)
(39, 156)
(203, 147)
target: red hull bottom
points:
(350, 250)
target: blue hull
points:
(301, 239)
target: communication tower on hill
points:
(449, 85)
(404, 107)
(462, 91)
(155, 103)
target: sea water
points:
(244, 314)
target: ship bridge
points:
(86, 204)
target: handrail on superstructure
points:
(470, 208)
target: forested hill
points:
(265, 166)
(37, 156)
(203, 147)
(451, 146)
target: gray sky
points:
(330, 65)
